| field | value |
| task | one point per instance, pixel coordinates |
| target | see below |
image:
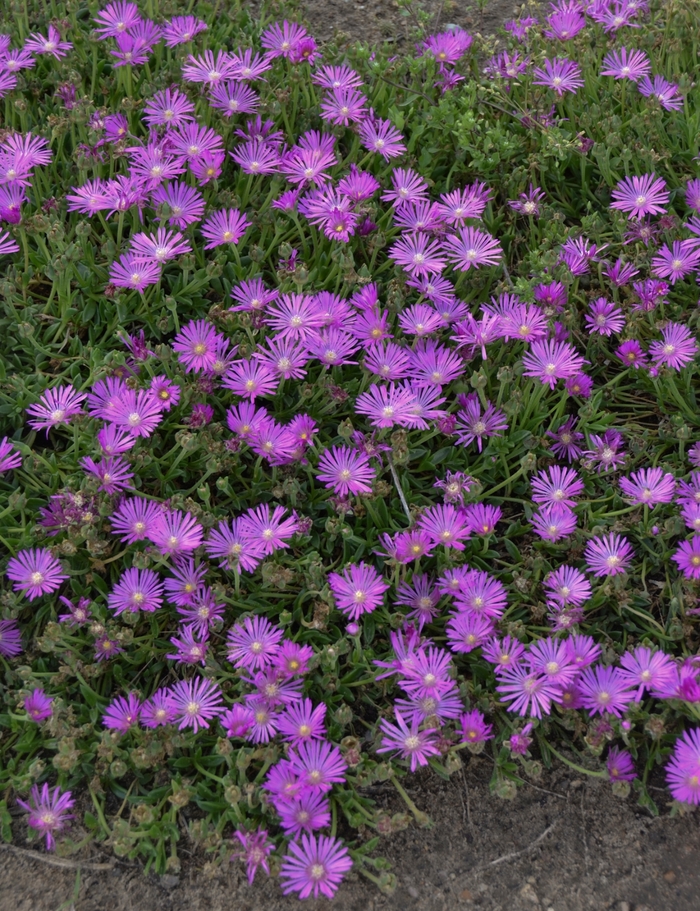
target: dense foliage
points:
(350, 418)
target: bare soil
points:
(563, 844)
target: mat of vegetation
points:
(350, 422)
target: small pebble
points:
(670, 877)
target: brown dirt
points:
(483, 854)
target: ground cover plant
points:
(349, 422)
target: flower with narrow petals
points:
(56, 406)
(549, 361)
(640, 196)
(410, 741)
(471, 248)
(315, 866)
(48, 811)
(649, 487)
(195, 703)
(254, 643)
(256, 847)
(176, 532)
(345, 471)
(358, 590)
(35, 572)
(604, 689)
(608, 555)
(225, 227)
(687, 557)
(674, 263)
(122, 713)
(624, 64)
(9, 457)
(677, 348)
(560, 74)
(38, 705)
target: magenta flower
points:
(137, 411)
(675, 263)
(112, 472)
(225, 227)
(607, 450)
(302, 721)
(35, 572)
(345, 471)
(137, 589)
(647, 670)
(473, 248)
(7, 244)
(195, 702)
(234, 98)
(608, 555)
(381, 136)
(528, 203)
(254, 643)
(197, 345)
(683, 769)
(619, 765)
(269, 529)
(160, 247)
(624, 64)
(122, 713)
(48, 811)
(554, 522)
(677, 348)
(567, 440)
(412, 744)
(9, 457)
(418, 255)
(467, 631)
(256, 847)
(549, 361)
(604, 689)
(176, 532)
(53, 45)
(605, 317)
(306, 812)
(473, 727)
(56, 406)
(560, 74)
(318, 765)
(182, 29)
(106, 648)
(481, 519)
(38, 705)
(632, 354)
(386, 405)
(317, 865)
(116, 18)
(134, 519)
(358, 590)
(473, 424)
(208, 69)
(557, 485)
(10, 639)
(649, 486)
(687, 556)
(527, 691)
(640, 196)
(444, 524)
(666, 93)
(233, 548)
(567, 586)
(185, 204)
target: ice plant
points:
(48, 811)
(35, 572)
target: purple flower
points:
(647, 670)
(528, 203)
(182, 29)
(381, 136)
(677, 348)
(106, 648)
(481, 519)
(605, 317)
(624, 64)
(318, 765)
(675, 263)
(256, 847)
(606, 451)
(473, 424)
(687, 557)
(552, 523)
(225, 227)
(473, 248)
(253, 644)
(666, 93)
(48, 811)
(527, 691)
(195, 702)
(38, 705)
(557, 485)
(112, 472)
(467, 631)
(608, 555)
(9, 457)
(649, 486)
(302, 721)
(561, 74)
(567, 440)
(567, 586)
(137, 589)
(444, 525)
(176, 532)
(197, 345)
(134, 519)
(640, 196)
(632, 354)
(550, 361)
(604, 689)
(316, 866)
(56, 406)
(474, 728)
(412, 744)
(10, 638)
(683, 769)
(304, 813)
(122, 713)
(418, 255)
(480, 594)
(620, 766)
(158, 710)
(421, 596)
(358, 590)
(35, 572)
